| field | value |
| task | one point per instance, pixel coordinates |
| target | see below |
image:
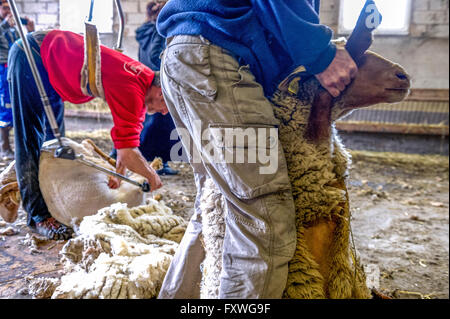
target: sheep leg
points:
(327, 241)
(102, 154)
(319, 240)
(156, 164)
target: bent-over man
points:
(129, 88)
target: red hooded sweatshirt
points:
(125, 82)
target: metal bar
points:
(435, 95)
(118, 46)
(36, 74)
(144, 186)
(91, 11)
(440, 130)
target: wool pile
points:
(213, 230)
(118, 253)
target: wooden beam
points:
(441, 95)
(415, 129)
(88, 114)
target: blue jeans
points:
(31, 127)
(155, 138)
(5, 102)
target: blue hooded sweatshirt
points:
(151, 44)
(274, 37)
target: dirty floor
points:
(400, 221)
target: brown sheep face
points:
(378, 81)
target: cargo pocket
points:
(189, 66)
(251, 103)
(249, 158)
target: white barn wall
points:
(424, 52)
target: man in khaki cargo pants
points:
(208, 88)
(204, 83)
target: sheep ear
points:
(358, 48)
(291, 83)
(361, 38)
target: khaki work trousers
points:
(206, 88)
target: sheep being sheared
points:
(324, 265)
(70, 190)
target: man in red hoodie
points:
(129, 87)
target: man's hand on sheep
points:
(339, 73)
(132, 159)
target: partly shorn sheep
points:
(324, 264)
(71, 190)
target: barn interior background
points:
(399, 180)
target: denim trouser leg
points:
(5, 101)
(155, 137)
(31, 128)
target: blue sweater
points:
(151, 44)
(272, 36)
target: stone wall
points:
(424, 52)
(429, 18)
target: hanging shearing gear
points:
(91, 73)
(118, 46)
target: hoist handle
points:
(91, 11)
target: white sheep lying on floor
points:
(324, 265)
(71, 190)
(119, 253)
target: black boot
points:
(167, 170)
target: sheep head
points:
(369, 87)
(378, 81)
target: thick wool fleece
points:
(213, 219)
(317, 173)
(120, 253)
